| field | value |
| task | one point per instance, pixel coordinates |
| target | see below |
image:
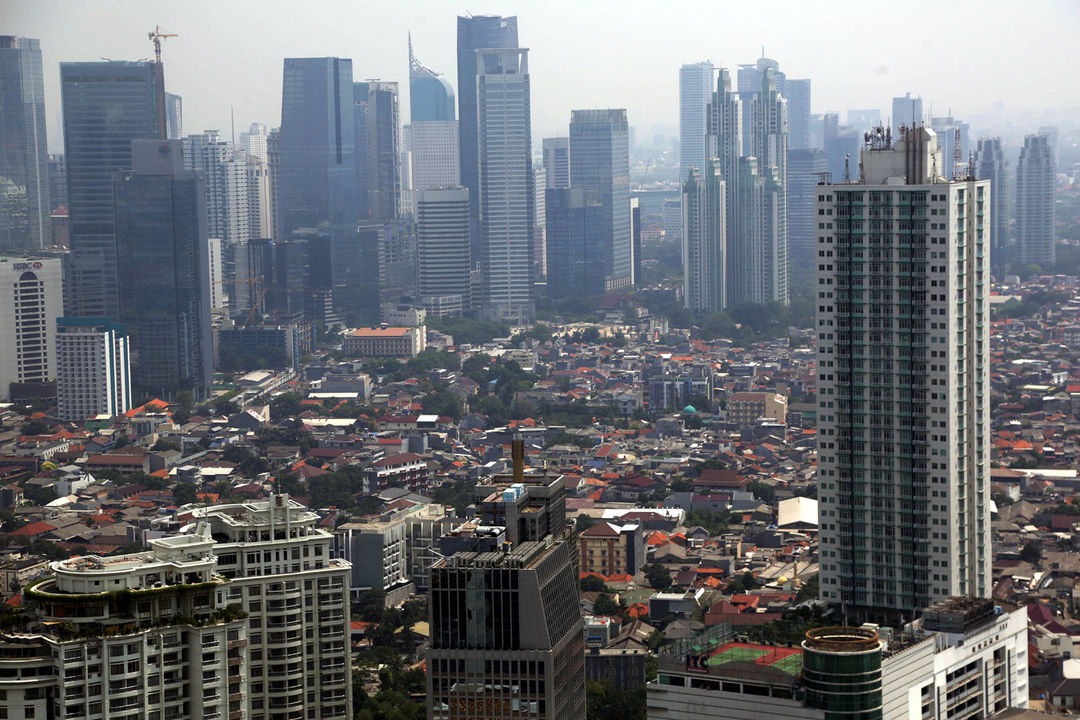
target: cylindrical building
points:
(842, 672)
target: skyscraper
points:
(506, 628)
(769, 144)
(576, 221)
(475, 33)
(806, 169)
(106, 106)
(92, 372)
(31, 299)
(863, 120)
(431, 138)
(163, 267)
(24, 157)
(174, 116)
(797, 93)
(695, 92)
(903, 398)
(1035, 203)
(317, 168)
(378, 145)
(991, 164)
(725, 134)
(505, 182)
(704, 240)
(600, 163)
(227, 183)
(907, 111)
(557, 162)
(443, 262)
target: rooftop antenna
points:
(847, 167)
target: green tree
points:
(605, 605)
(583, 522)
(184, 493)
(658, 576)
(591, 583)
(1031, 552)
(603, 701)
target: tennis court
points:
(786, 659)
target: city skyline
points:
(252, 88)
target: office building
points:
(227, 183)
(843, 144)
(1035, 203)
(273, 168)
(443, 262)
(600, 164)
(31, 299)
(903, 398)
(489, 656)
(476, 32)
(281, 344)
(576, 220)
(557, 162)
(218, 297)
(163, 267)
(671, 218)
(93, 376)
(505, 183)
(635, 238)
(695, 92)
(57, 180)
(704, 238)
(1051, 134)
(431, 97)
(746, 408)
(907, 111)
(953, 141)
(316, 166)
(539, 221)
(431, 138)
(964, 658)
(296, 598)
(174, 116)
(991, 164)
(797, 93)
(806, 168)
(24, 171)
(378, 149)
(127, 94)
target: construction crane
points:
(159, 73)
(157, 36)
(641, 184)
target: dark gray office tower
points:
(57, 181)
(106, 106)
(174, 116)
(600, 163)
(991, 164)
(378, 149)
(506, 629)
(806, 168)
(797, 93)
(163, 270)
(24, 164)
(577, 220)
(317, 170)
(476, 33)
(1035, 203)
(431, 97)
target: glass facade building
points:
(576, 219)
(106, 106)
(600, 163)
(24, 158)
(163, 267)
(316, 170)
(378, 149)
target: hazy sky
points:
(583, 53)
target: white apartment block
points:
(93, 374)
(242, 615)
(280, 571)
(218, 296)
(903, 382)
(31, 298)
(227, 185)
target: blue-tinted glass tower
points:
(431, 97)
(163, 270)
(106, 106)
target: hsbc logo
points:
(26, 265)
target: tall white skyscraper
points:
(93, 376)
(695, 92)
(31, 298)
(506, 182)
(703, 240)
(1035, 203)
(724, 144)
(903, 383)
(769, 145)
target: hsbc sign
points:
(36, 265)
